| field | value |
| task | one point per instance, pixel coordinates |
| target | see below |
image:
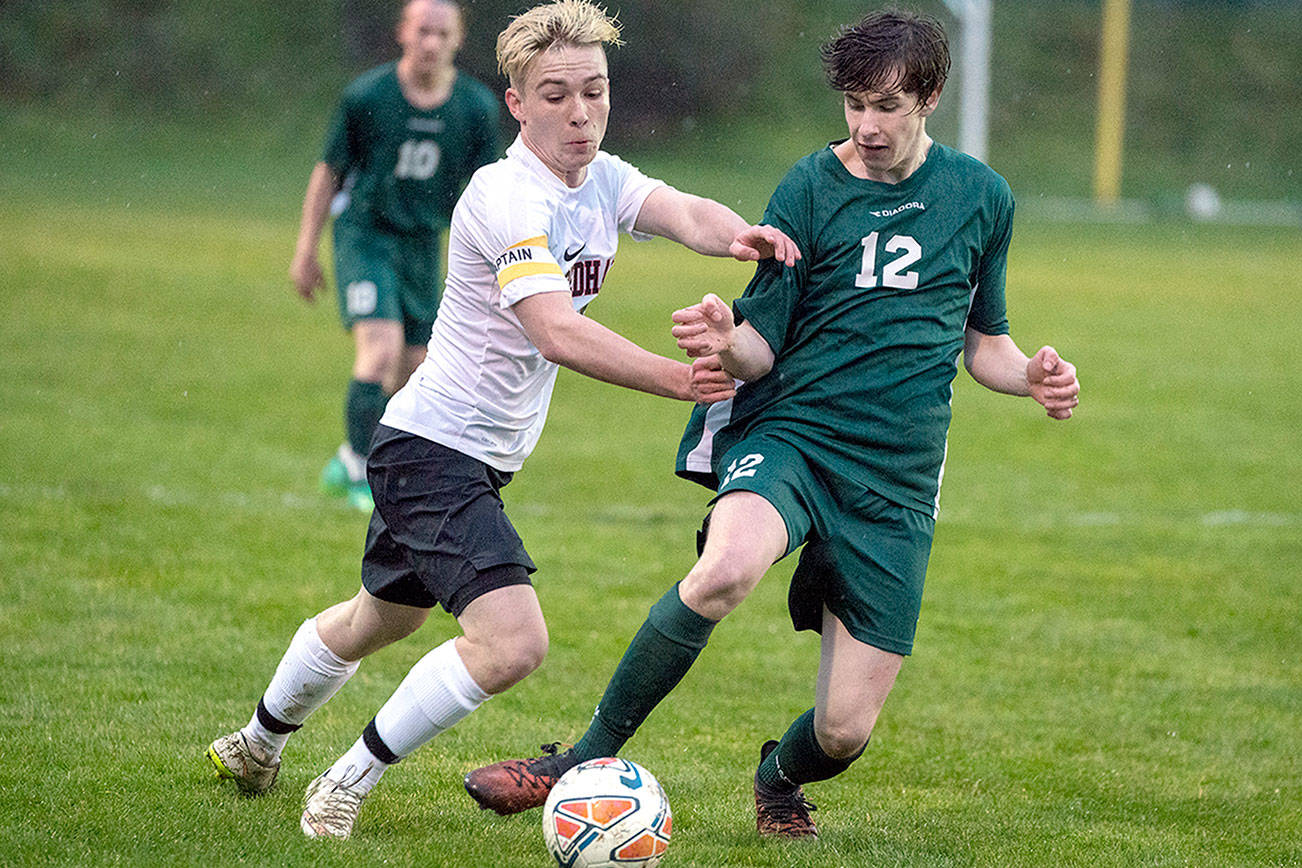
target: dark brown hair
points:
(887, 51)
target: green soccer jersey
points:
(404, 167)
(867, 327)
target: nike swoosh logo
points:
(571, 254)
(633, 780)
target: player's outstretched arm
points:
(305, 268)
(708, 227)
(995, 362)
(708, 329)
(568, 338)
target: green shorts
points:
(864, 557)
(383, 275)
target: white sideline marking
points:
(246, 501)
(243, 500)
(1239, 516)
(249, 501)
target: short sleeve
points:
(987, 313)
(634, 187)
(770, 300)
(512, 232)
(339, 152)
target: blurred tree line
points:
(683, 57)
(1213, 88)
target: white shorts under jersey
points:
(484, 388)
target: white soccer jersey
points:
(518, 230)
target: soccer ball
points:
(607, 812)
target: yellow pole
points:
(1114, 47)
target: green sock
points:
(799, 758)
(656, 660)
(363, 408)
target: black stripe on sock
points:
(273, 724)
(376, 745)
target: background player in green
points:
(403, 142)
(836, 440)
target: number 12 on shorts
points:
(740, 467)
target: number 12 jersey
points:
(867, 327)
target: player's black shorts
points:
(438, 534)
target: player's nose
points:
(868, 128)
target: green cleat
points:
(334, 478)
(359, 497)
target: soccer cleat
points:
(330, 808)
(359, 497)
(512, 786)
(234, 761)
(782, 813)
(334, 478)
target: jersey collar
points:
(913, 181)
(520, 151)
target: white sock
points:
(358, 768)
(436, 694)
(354, 463)
(308, 675)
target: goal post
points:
(1114, 48)
(975, 23)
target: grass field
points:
(1107, 668)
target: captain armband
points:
(525, 259)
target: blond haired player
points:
(531, 242)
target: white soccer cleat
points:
(331, 808)
(234, 761)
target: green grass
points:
(1107, 667)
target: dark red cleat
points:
(512, 786)
(782, 813)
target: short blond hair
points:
(563, 22)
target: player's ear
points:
(929, 104)
(459, 39)
(514, 104)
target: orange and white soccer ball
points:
(607, 812)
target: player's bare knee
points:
(508, 662)
(841, 740)
(717, 585)
(377, 367)
(381, 352)
(529, 651)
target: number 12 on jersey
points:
(893, 275)
(744, 466)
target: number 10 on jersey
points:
(417, 160)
